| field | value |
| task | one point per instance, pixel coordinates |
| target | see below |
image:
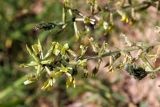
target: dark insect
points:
(45, 26)
(138, 72)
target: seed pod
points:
(138, 72)
(46, 26)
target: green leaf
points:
(46, 85)
(47, 61)
(83, 50)
(82, 63)
(94, 45)
(36, 49)
(72, 53)
(38, 69)
(50, 51)
(65, 69)
(32, 63)
(30, 79)
(29, 50)
(32, 54)
(55, 74)
(56, 49)
(27, 82)
(70, 80)
(64, 49)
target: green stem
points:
(64, 15)
(155, 70)
(118, 51)
(111, 53)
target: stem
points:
(155, 70)
(117, 51)
(64, 15)
(111, 53)
(76, 30)
(47, 70)
(145, 60)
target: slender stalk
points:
(63, 15)
(155, 70)
(111, 53)
(117, 51)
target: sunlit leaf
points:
(32, 54)
(72, 53)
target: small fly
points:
(45, 26)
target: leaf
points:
(32, 54)
(47, 61)
(82, 63)
(36, 49)
(56, 74)
(70, 80)
(94, 45)
(50, 50)
(83, 50)
(102, 49)
(65, 69)
(124, 17)
(30, 79)
(32, 63)
(46, 85)
(56, 49)
(29, 50)
(52, 81)
(40, 49)
(105, 25)
(27, 82)
(38, 69)
(72, 53)
(64, 49)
